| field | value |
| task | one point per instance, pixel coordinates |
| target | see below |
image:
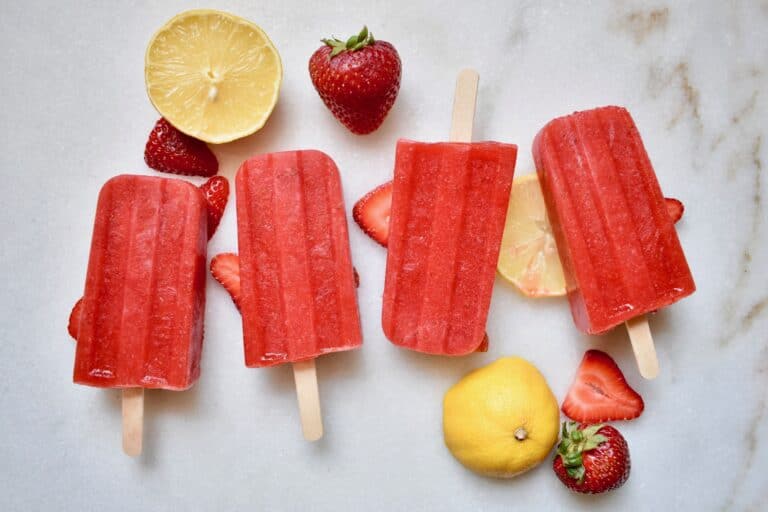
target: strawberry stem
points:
(574, 443)
(356, 42)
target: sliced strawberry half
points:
(225, 268)
(216, 193)
(483, 346)
(74, 318)
(600, 392)
(169, 150)
(372, 213)
(675, 208)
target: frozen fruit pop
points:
(141, 324)
(142, 313)
(298, 294)
(298, 298)
(619, 248)
(448, 208)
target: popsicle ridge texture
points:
(144, 301)
(620, 251)
(298, 297)
(449, 205)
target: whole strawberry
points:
(592, 459)
(357, 79)
(169, 150)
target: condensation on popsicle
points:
(298, 298)
(143, 307)
(449, 202)
(620, 252)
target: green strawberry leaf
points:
(593, 442)
(592, 429)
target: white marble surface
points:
(693, 74)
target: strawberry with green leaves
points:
(592, 459)
(357, 79)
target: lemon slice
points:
(213, 75)
(528, 257)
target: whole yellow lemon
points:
(502, 419)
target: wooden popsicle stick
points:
(133, 420)
(464, 106)
(642, 346)
(305, 376)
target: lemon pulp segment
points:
(528, 256)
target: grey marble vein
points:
(745, 321)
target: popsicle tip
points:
(313, 434)
(133, 421)
(643, 347)
(649, 371)
(305, 378)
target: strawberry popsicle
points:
(142, 312)
(619, 248)
(298, 296)
(449, 203)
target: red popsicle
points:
(298, 298)
(142, 312)
(619, 248)
(448, 207)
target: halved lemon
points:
(213, 75)
(528, 257)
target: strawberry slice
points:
(675, 208)
(225, 268)
(600, 393)
(372, 213)
(169, 150)
(483, 346)
(216, 193)
(74, 318)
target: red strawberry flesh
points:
(600, 392)
(225, 268)
(216, 193)
(675, 208)
(169, 150)
(372, 213)
(74, 318)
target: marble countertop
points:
(694, 76)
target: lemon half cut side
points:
(213, 75)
